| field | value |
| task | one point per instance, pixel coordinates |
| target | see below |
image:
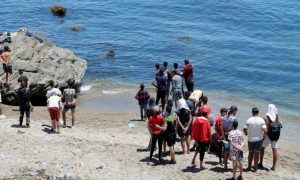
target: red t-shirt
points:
(208, 109)
(201, 130)
(188, 73)
(218, 126)
(153, 121)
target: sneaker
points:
(2, 117)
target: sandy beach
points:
(102, 146)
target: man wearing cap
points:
(255, 128)
(227, 126)
(188, 75)
(7, 67)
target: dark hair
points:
(51, 83)
(205, 99)
(71, 82)
(142, 86)
(157, 66)
(170, 103)
(175, 65)
(255, 110)
(187, 94)
(235, 124)
(6, 49)
(161, 71)
(165, 64)
(186, 61)
(24, 84)
(21, 71)
(223, 110)
(169, 109)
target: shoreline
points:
(124, 101)
(102, 146)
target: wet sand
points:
(102, 146)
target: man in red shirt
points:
(218, 130)
(201, 133)
(154, 122)
(188, 75)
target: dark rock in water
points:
(59, 10)
(41, 62)
(76, 28)
(111, 53)
(185, 39)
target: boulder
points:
(76, 28)
(59, 10)
(41, 63)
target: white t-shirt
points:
(177, 82)
(53, 91)
(255, 126)
(53, 101)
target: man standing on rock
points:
(7, 67)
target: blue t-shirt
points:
(161, 82)
(228, 122)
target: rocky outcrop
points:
(41, 62)
(59, 10)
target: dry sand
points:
(102, 146)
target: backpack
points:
(274, 129)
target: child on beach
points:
(218, 130)
(169, 133)
(236, 140)
(149, 113)
(54, 105)
(143, 96)
(25, 104)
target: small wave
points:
(85, 88)
(114, 92)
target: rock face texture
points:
(41, 63)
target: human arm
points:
(179, 123)
(209, 132)
(246, 128)
(189, 123)
(153, 83)
(163, 127)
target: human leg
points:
(202, 148)
(21, 116)
(261, 157)
(64, 116)
(73, 117)
(250, 158)
(141, 112)
(234, 167)
(188, 139)
(182, 142)
(275, 156)
(220, 147)
(160, 147)
(154, 139)
(28, 116)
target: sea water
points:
(242, 50)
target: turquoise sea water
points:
(249, 49)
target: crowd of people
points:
(192, 120)
(54, 96)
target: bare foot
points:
(193, 162)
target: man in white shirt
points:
(53, 90)
(255, 128)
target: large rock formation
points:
(41, 62)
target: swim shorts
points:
(7, 68)
(255, 146)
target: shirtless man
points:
(7, 67)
